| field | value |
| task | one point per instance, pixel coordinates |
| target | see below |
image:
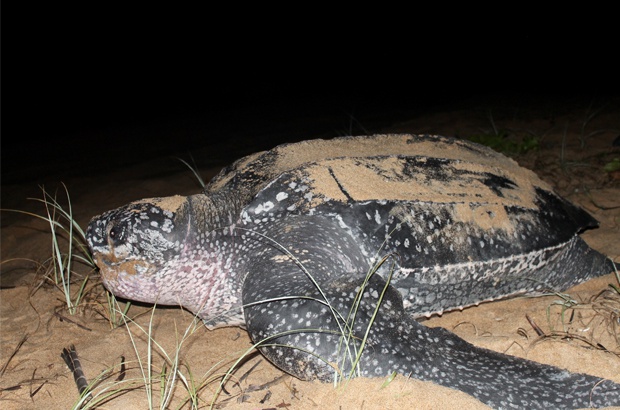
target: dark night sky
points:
(90, 84)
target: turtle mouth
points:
(118, 276)
(122, 278)
(110, 267)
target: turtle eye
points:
(117, 234)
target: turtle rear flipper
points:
(314, 329)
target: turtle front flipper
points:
(314, 328)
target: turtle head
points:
(169, 251)
(133, 244)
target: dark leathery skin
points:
(457, 223)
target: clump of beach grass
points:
(159, 373)
(594, 322)
(68, 248)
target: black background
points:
(97, 87)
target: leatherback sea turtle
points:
(283, 242)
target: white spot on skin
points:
(377, 217)
(340, 222)
(281, 196)
(266, 207)
(167, 226)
